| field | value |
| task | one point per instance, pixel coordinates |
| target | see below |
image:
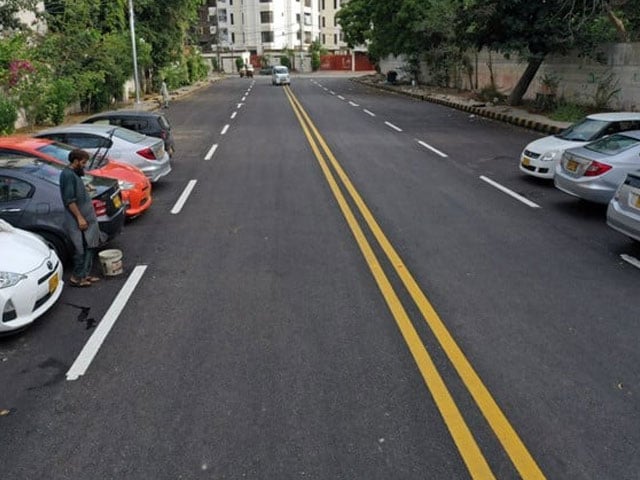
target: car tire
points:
(57, 244)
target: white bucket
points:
(111, 262)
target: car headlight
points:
(124, 185)
(9, 279)
(550, 156)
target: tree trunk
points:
(525, 80)
(623, 35)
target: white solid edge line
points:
(511, 193)
(332, 92)
(341, 97)
(353, 104)
(631, 260)
(224, 129)
(368, 112)
(434, 150)
(183, 198)
(94, 343)
(211, 151)
(389, 124)
(233, 115)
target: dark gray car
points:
(30, 199)
(153, 124)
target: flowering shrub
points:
(17, 70)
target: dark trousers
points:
(83, 261)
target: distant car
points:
(595, 171)
(30, 199)
(146, 153)
(153, 124)
(541, 157)
(623, 213)
(30, 278)
(280, 75)
(266, 70)
(134, 185)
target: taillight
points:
(99, 206)
(596, 168)
(147, 153)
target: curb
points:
(481, 111)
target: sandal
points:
(79, 283)
(92, 279)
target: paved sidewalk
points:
(504, 113)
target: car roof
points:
(631, 133)
(126, 113)
(615, 116)
(82, 128)
(23, 142)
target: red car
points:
(134, 185)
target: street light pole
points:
(133, 49)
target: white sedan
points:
(30, 277)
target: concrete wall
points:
(578, 77)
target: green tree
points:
(530, 29)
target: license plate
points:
(116, 201)
(53, 283)
(525, 161)
(572, 165)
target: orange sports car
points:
(134, 185)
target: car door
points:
(15, 197)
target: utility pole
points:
(301, 34)
(133, 49)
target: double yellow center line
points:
(470, 452)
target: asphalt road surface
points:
(338, 283)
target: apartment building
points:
(270, 25)
(331, 36)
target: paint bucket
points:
(111, 262)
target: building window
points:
(324, 39)
(335, 4)
(231, 18)
(267, 37)
(233, 37)
(307, 19)
(322, 4)
(323, 25)
(335, 22)
(265, 1)
(266, 17)
(335, 38)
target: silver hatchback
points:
(146, 153)
(623, 213)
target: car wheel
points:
(56, 243)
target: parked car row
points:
(598, 160)
(33, 242)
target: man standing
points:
(165, 94)
(81, 222)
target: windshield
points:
(584, 131)
(60, 151)
(280, 70)
(42, 169)
(613, 144)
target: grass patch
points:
(568, 112)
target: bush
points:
(315, 61)
(239, 63)
(8, 116)
(285, 61)
(568, 112)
